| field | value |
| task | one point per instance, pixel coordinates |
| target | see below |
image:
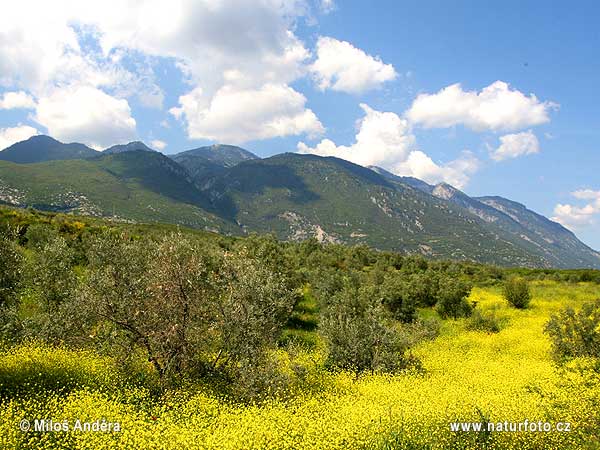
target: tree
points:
(517, 293)
(357, 332)
(188, 306)
(10, 269)
(50, 272)
(576, 333)
(452, 298)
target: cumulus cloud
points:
(456, 172)
(10, 136)
(261, 52)
(236, 115)
(385, 139)
(158, 144)
(342, 67)
(17, 100)
(238, 45)
(576, 217)
(86, 114)
(496, 107)
(515, 145)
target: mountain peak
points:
(41, 148)
(445, 191)
(129, 147)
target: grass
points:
(469, 375)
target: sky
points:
(495, 100)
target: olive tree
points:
(188, 306)
(358, 334)
(10, 269)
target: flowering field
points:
(468, 376)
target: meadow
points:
(465, 376)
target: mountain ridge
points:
(42, 148)
(229, 189)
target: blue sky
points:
(375, 85)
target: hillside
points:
(300, 196)
(554, 245)
(204, 161)
(44, 148)
(139, 186)
(228, 189)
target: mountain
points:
(552, 235)
(300, 196)
(44, 148)
(210, 160)
(132, 146)
(411, 181)
(135, 185)
(553, 244)
(226, 189)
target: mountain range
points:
(227, 189)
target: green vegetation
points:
(517, 293)
(207, 341)
(229, 190)
(574, 333)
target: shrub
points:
(484, 321)
(399, 297)
(419, 330)
(452, 299)
(516, 292)
(40, 234)
(187, 306)
(576, 333)
(358, 336)
(10, 269)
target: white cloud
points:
(456, 172)
(240, 45)
(158, 144)
(342, 67)
(385, 139)
(327, 6)
(575, 217)
(86, 114)
(9, 136)
(17, 100)
(515, 145)
(237, 115)
(497, 107)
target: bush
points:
(576, 333)
(187, 306)
(358, 336)
(452, 299)
(516, 292)
(399, 297)
(484, 321)
(10, 269)
(419, 330)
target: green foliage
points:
(516, 292)
(357, 332)
(50, 272)
(484, 321)
(400, 296)
(452, 299)
(10, 268)
(420, 330)
(576, 333)
(191, 308)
